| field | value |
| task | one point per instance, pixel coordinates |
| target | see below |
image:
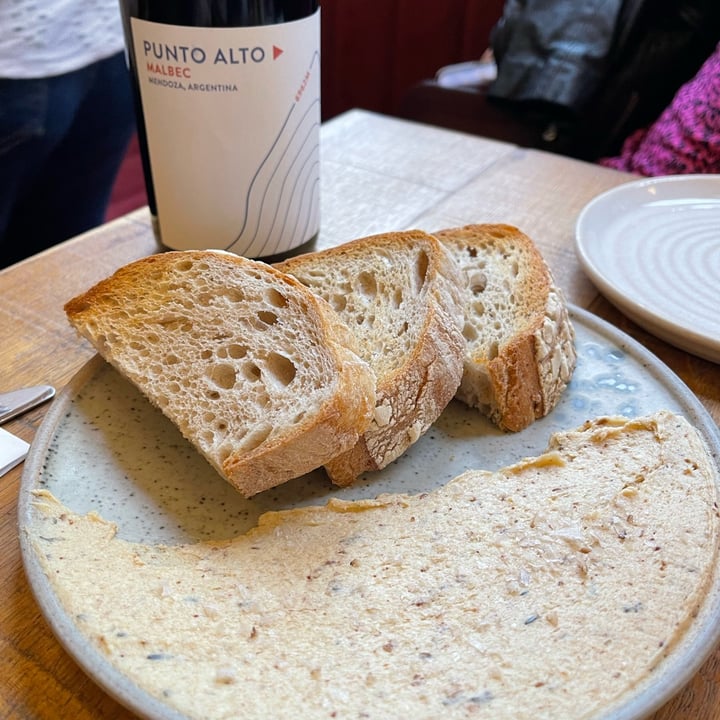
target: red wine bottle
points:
(228, 103)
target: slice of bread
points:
(254, 369)
(520, 341)
(400, 293)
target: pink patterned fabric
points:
(686, 136)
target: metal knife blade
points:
(18, 401)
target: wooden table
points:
(379, 174)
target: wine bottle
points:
(227, 96)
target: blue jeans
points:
(62, 140)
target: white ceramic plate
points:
(103, 447)
(652, 247)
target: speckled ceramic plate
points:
(652, 247)
(102, 447)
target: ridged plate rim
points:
(594, 235)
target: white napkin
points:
(13, 451)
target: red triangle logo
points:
(277, 52)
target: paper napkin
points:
(13, 451)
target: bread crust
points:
(520, 341)
(418, 374)
(256, 371)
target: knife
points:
(18, 401)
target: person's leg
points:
(71, 193)
(25, 141)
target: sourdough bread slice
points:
(255, 370)
(520, 341)
(400, 293)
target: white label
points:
(233, 126)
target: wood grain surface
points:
(378, 174)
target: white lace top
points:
(40, 38)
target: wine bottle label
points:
(232, 117)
